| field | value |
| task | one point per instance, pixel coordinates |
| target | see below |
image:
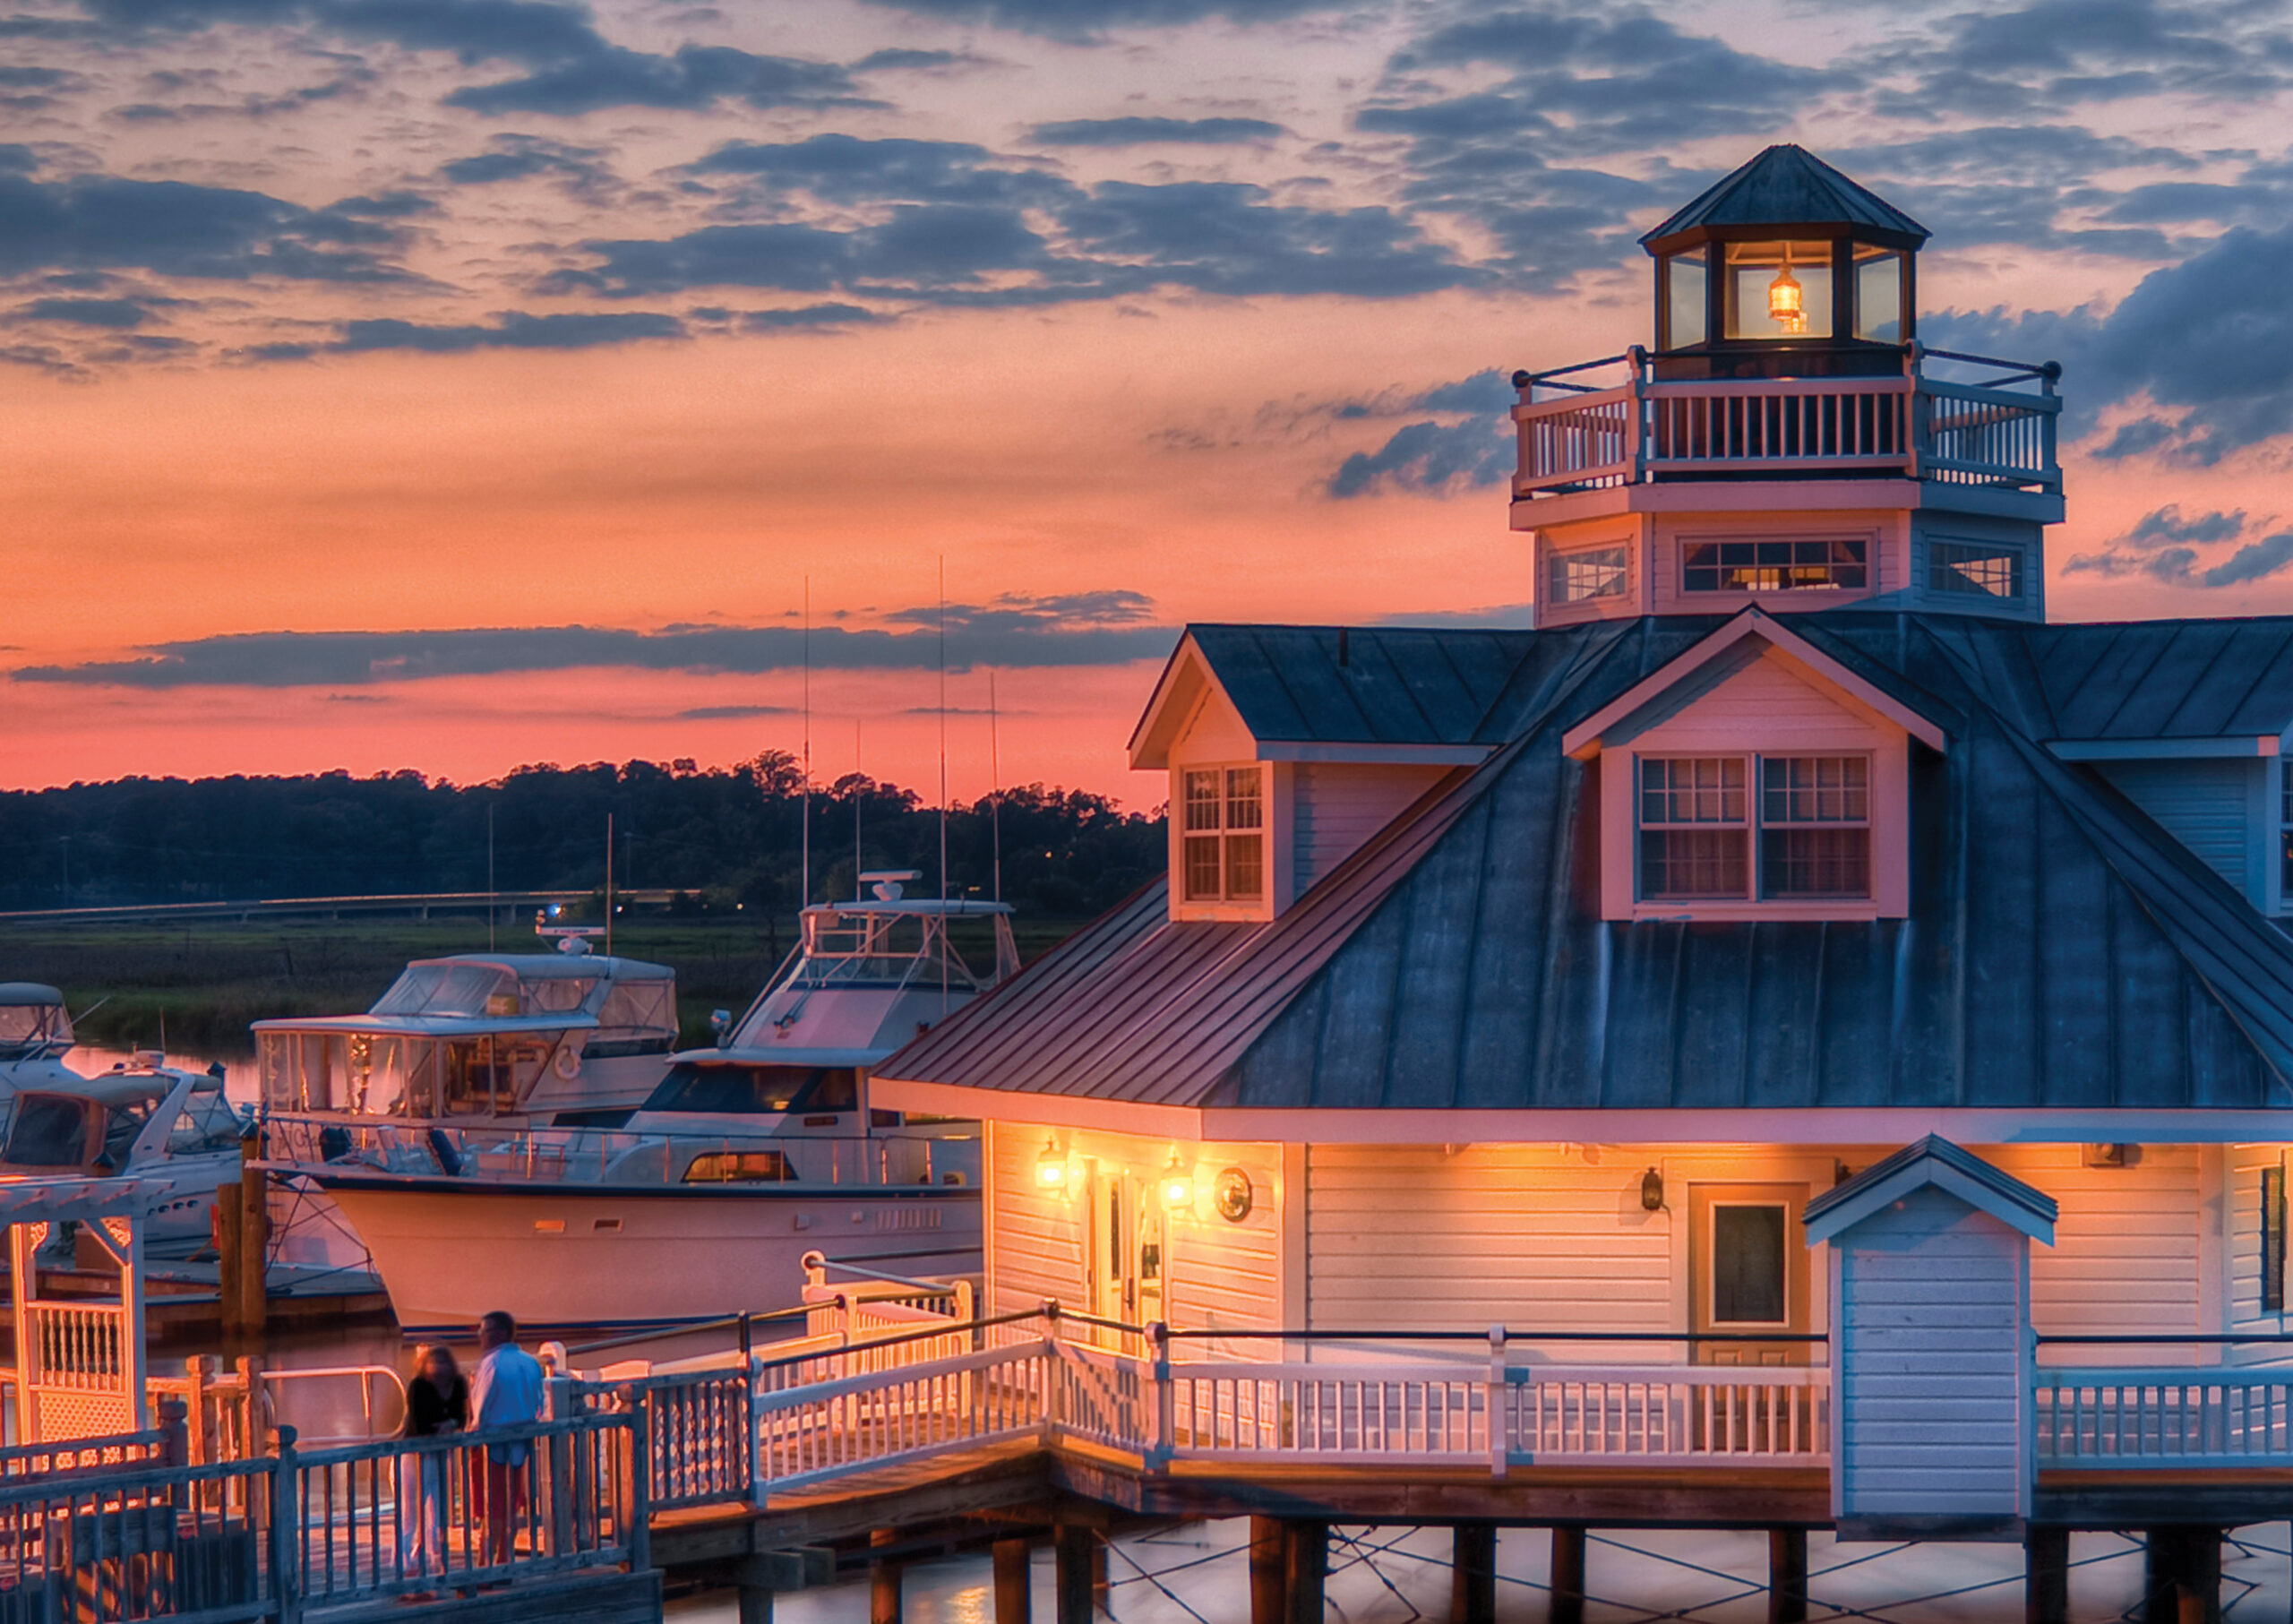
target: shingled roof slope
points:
(2061, 949)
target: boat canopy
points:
(33, 1021)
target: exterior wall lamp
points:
(1051, 1168)
(1651, 1190)
(1178, 1185)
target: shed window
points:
(1697, 818)
(1589, 572)
(1982, 571)
(1833, 565)
(2272, 1240)
(1224, 850)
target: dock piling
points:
(2046, 1583)
(2182, 1568)
(1305, 1569)
(1472, 1583)
(885, 1575)
(1566, 1579)
(1014, 1583)
(1786, 1575)
(1071, 1546)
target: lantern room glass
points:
(1759, 275)
(1684, 282)
(1878, 295)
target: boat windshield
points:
(31, 1029)
(207, 1124)
(50, 1131)
(877, 949)
(755, 1090)
(452, 989)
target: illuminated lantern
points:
(1178, 1186)
(1050, 1166)
(1786, 305)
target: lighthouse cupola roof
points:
(1787, 186)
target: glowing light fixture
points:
(1178, 1185)
(1050, 1166)
(1787, 304)
(1651, 1190)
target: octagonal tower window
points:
(1778, 290)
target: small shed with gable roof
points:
(1930, 1267)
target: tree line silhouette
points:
(720, 835)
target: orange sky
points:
(1171, 435)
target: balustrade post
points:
(1501, 1429)
(1163, 1441)
(640, 1500)
(1055, 1398)
(1915, 405)
(285, 1529)
(1635, 451)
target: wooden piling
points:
(1070, 1545)
(2045, 1575)
(2183, 1572)
(1014, 1583)
(231, 1296)
(1305, 1569)
(254, 1241)
(1472, 1579)
(1268, 1604)
(885, 1576)
(1567, 1576)
(1786, 1575)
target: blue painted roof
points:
(2008, 1197)
(2061, 949)
(1787, 186)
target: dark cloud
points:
(2178, 565)
(817, 317)
(2058, 54)
(352, 81)
(1082, 20)
(733, 713)
(511, 329)
(385, 206)
(691, 77)
(2268, 556)
(1431, 457)
(2166, 525)
(583, 172)
(1085, 629)
(110, 314)
(1152, 132)
(98, 221)
(847, 169)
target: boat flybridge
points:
(499, 1039)
(744, 1157)
(35, 1033)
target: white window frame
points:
(1225, 832)
(1711, 1268)
(1753, 825)
(1557, 560)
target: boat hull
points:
(567, 1256)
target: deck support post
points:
(1567, 1576)
(1786, 1575)
(884, 1575)
(1071, 1548)
(2183, 1574)
(1014, 1583)
(2046, 1579)
(1267, 1605)
(1472, 1583)
(755, 1603)
(1305, 1567)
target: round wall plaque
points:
(1233, 1195)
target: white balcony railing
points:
(1584, 436)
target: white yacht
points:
(170, 1129)
(743, 1158)
(35, 1033)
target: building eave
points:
(2159, 750)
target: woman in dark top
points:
(437, 1404)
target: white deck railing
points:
(2146, 1418)
(1913, 426)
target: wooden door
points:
(1747, 1271)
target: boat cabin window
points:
(50, 1131)
(207, 1124)
(558, 995)
(738, 1167)
(488, 1076)
(125, 1122)
(756, 1091)
(448, 989)
(638, 1017)
(28, 1029)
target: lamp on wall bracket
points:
(1051, 1168)
(1651, 1190)
(1787, 304)
(1178, 1185)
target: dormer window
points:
(1224, 850)
(1698, 820)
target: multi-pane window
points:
(1958, 566)
(2285, 834)
(1571, 578)
(1834, 564)
(1224, 852)
(1703, 837)
(2272, 1240)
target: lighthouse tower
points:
(1788, 442)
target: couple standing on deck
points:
(439, 1403)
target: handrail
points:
(2153, 1339)
(1510, 1336)
(952, 1328)
(818, 1260)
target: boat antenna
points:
(805, 840)
(943, 784)
(608, 885)
(857, 894)
(994, 790)
(489, 875)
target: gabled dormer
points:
(1288, 748)
(1754, 777)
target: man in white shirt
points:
(507, 1393)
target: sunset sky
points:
(457, 383)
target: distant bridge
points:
(421, 905)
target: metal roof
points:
(1932, 1160)
(2167, 679)
(1787, 186)
(2060, 950)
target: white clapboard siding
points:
(1036, 1248)
(1931, 1365)
(2126, 1253)
(2205, 805)
(1339, 805)
(1792, 714)
(2241, 1300)
(1403, 1236)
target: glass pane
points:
(50, 1131)
(1692, 789)
(1815, 789)
(1986, 571)
(1878, 296)
(1202, 868)
(1594, 572)
(557, 994)
(1245, 868)
(1822, 564)
(1779, 290)
(1684, 296)
(1815, 862)
(2272, 1240)
(1202, 799)
(1748, 1266)
(1243, 806)
(1684, 863)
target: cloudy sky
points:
(453, 384)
